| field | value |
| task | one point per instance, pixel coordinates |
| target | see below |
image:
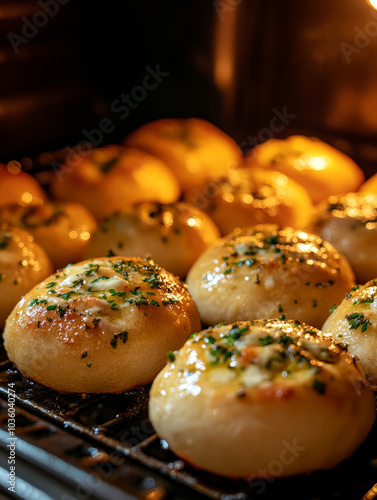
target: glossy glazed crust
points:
(354, 322)
(101, 325)
(320, 168)
(249, 196)
(194, 149)
(349, 222)
(264, 272)
(61, 229)
(174, 235)
(113, 178)
(262, 399)
(20, 188)
(23, 264)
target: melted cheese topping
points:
(108, 285)
(260, 247)
(257, 354)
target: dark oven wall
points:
(256, 68)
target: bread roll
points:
(266, 398)
(174, 235)
(194, 149)
(23, 264)
(249, 196)
(354, 322)
(101, 325)
(266, 271)
(20, 188)
(62, 229)
(114, 178)
(349, 222)
(320, 168)
(370, 185)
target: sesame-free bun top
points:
(354, 322)
(319, 167)
(249, 196)
(62, 229)
(113, 178)
(194, 149)
(370, 185)
(23, 263)
(174, 235)
(238, 397)
(266, 271)
(101, 325)
(18, 187)
(349, 222)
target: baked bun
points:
(194, 149)
(349, 222)
(173, 235)
(23, 263)
(249, 196)
(19, 187)
(266, 271)
(320, 168)
(354, 322)
(113, 178)
(238, 397)
(370, 186)
(101, 325)
(62, 229)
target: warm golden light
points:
(373, 3)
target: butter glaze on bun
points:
(113, 178)
(19, 188)
(174, 235)
(349, 222)
(266, 271)
(249, 196)
(322, 169)
(101, 325)
(237, 397)
(23, 263)
(194, 149)
(354, 322)
(62, 229)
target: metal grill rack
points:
(90, 434)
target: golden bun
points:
(23, 263)
(174, 235)
(238, 398)
(194, 149)
(322, 169)
(370, 185)
(354, 322)
(266, 271)
(101, 325)
(19, 188)
(249, 196)
(113, 178)
(349, 222)
(61, 229)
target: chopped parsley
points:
(332, 308)
(171, 356)
(123, 336)
(357, 320)
(36, 302)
